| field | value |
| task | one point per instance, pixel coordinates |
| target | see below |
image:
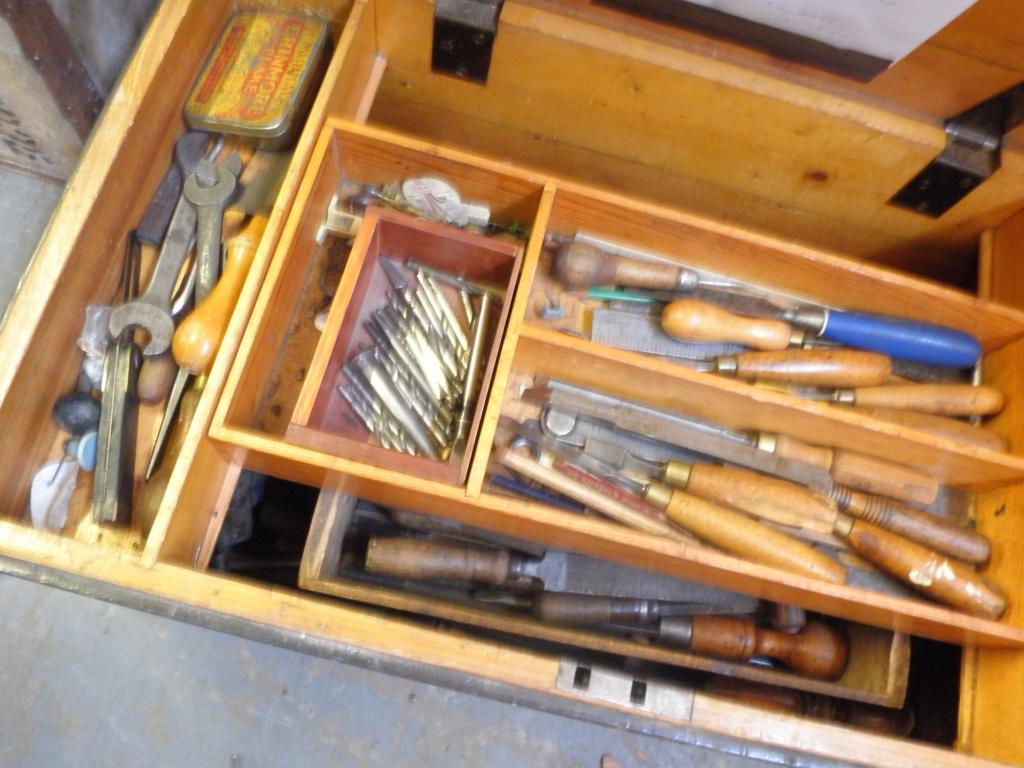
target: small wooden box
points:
(876, 670)
(323, 419)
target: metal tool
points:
(643, 333)
(471, 384)
(208, 188)
(580, 264)
(556, 571)
(115, 460)
(814, 466)
(720, 526)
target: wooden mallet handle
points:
(581, 265)
(948, 581)
(408, 558)
(694, 320)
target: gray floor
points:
(87, 683)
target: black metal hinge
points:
(464, 32)
(973, 149)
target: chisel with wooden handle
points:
(787, 503)
(941, 578)
(816, 649)
(780, 455)
(857, 470)
(580, 265)
(938, 399)
(896, 337)
(557, 571)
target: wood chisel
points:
(579, 264)
(556, 571)
(817, 649)
(719, 526)
(938, 399)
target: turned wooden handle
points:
(581, 265)
(941, 426)
(156, 376)
(944, 399)
(586, 610)
(428, 560)
(948, 581)
(866, 473)
(738, 534)
(817, 650)
(588, 496)
(199, 335)
(815, 367)
(764, 497)
(930, 530)
(858, 470)
(698, 321)
(797, 450)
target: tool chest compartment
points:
(613, 153)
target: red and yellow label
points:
(257, 73)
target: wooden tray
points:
(323, 420)
(876, 670)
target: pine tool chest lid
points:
(703, 290)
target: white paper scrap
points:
(888, 29)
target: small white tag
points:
(436, 198)
(51, 492)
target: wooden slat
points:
(992, 683)
(809, 153)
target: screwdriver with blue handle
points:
(581, 265)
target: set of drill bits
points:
(415, 388)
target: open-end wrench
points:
(208, 188)
(152, 310)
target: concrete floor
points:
(87, 683)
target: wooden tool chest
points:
(589, 119)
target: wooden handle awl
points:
(764, 497)
(699, 321)
(581, 265)
(740, 535)
(428, 560)
(946, 580)
(817, 650)
(811, 367)
(932, 531)
(943, 399)
(198, 338)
